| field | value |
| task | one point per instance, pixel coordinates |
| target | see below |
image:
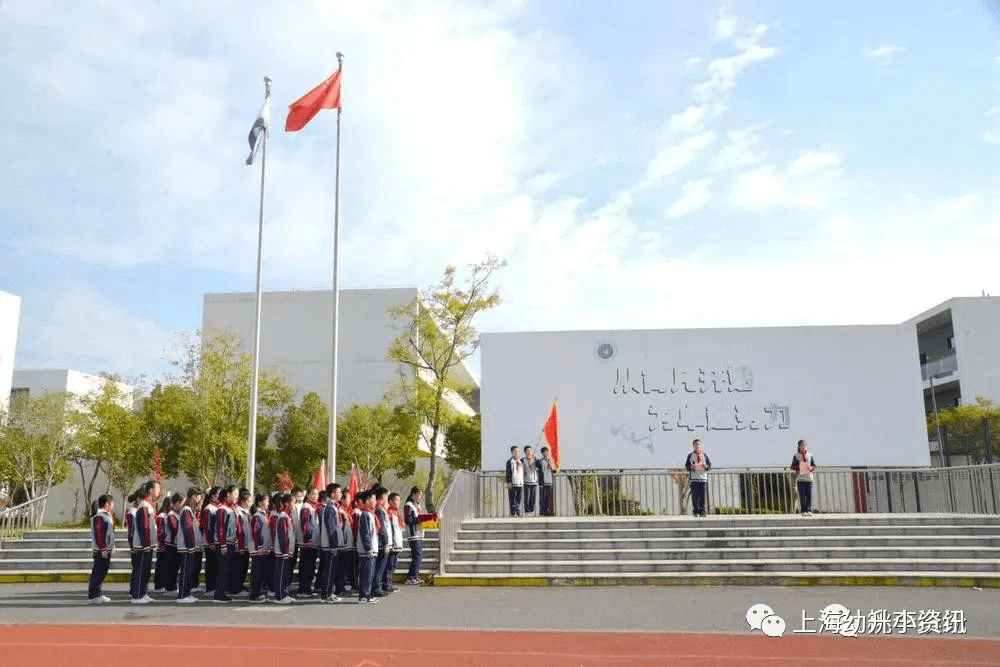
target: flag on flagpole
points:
(319, 479)
(551, 430)
(324, 96)
(352, 486)
(261, 125)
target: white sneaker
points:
(105, 599)
(145, 600)
(188, 600)
(97, 600)
(159, 590)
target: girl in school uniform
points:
(170, 526)
(189, 545)
(414, 534)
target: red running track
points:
(150, 646)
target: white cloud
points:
(813, 161)
(884, 53)
(675, 156)
(991, 137)
(692, 62)
(694, 196)
(542, 182)
(689, 120)
(724, 26)
(82, 329)
(723, 72)
(957, 206)
(809, 182)
(743, 149)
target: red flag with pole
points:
(353, 484)
(319, 479)
(324, 96)
(551, 431)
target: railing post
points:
(916, 489)
(888, 489)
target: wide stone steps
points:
(734, 549)
(68, 551)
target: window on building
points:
(951, 342)
(923, 359)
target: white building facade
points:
(296, 340)
(10, 314)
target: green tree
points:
(35, 441)
(964, 425)
(377, 438)
(218, 375)
(301, 439)
(108, 436)
(438, 336)
(463, 443)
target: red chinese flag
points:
(319, 479)
(353, 486)
(552, 434)
(324, 96)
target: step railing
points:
(461, 502)
(954, 490)
(14, 521)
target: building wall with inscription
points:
(636, 399)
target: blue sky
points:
(639, 164)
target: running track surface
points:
(150, 646)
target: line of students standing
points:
(338, 544)
(528, 478)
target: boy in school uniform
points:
(348, 554)
(357, 509)
(546, 468)
(284, 548)
(414, 534)
(331, 541)
(298, 497)
(368, 548)
(530, 479)
(189, 544)
(320, 553)
(209, 532)
(102, 543)
(241, 561)
(396, 542)
(382, 526)
(143, 545)
(260, 546)
(170, 545)
(225, 519)
(308, 533)
(161, 545)
(515, 481)
(697, 464)
(272, 560)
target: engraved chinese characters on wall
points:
(709, 399)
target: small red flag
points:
(324, 96)
(353, 486)
(552, 434)
(319, 479)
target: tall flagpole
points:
(331, 445)
(252, 432)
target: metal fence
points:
(460, 503)
(14, 521)
(955, 490)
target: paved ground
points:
(636, 609)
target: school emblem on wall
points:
(605, 350)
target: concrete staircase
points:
(64, 555)
(866, 549)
